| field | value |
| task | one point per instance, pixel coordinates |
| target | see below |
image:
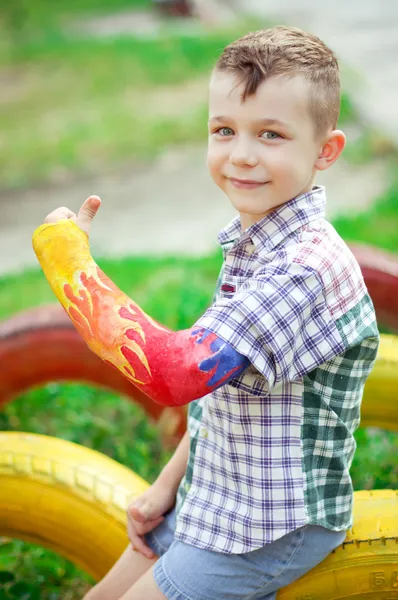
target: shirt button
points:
(205, 433)
(250, 249)
(187, 486)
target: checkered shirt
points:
(270, 451)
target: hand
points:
(146, 513)
(83, 220)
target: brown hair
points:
(288, 51)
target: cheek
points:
(290, 164)
(280, 164)
(214, 162)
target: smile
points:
(246, 184)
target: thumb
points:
(87, 213)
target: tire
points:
(365, 566)
(379, 404)
(40, 345)
(380, 272)
(65, 497)
(73, 500)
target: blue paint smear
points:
(228, 362)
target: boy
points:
(258, 491)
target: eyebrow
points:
(259, 122)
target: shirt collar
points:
(277, 225)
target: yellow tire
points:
(65, 497)
(379, 405)
(73, 500)
(365, 566)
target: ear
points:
(330, 150)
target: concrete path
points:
(170, 207)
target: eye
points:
(224, 131)
(270, 135)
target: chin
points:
(249, 207)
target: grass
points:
(378, 226)
(116, 426)
(75, 105)
(95, 103)
(371, 144)
(34, 16)
(159, 285)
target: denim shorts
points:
(184, 572)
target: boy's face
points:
(261, 152)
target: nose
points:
(243, 153)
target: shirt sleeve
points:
(280, 321)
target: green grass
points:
(75, 106)
(93, 418)
(21, 17)
(370, 145)
(378, 226)
(375, 464)
(30, 572)
(159, 285)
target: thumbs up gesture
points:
(84, 217)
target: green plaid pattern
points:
(194, 421)
(331, 415)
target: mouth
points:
(246, 184)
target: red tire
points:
(380, 271)
(41, 345)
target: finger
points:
(145, 514)
(142, 528)
(61, 213)
(147, 511)
(138, 503)
(139, 545)
(87, 212)
(137, 514)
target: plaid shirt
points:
(270, 451)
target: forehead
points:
(279, 97)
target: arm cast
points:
(172, 368)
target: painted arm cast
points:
(172, 368)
